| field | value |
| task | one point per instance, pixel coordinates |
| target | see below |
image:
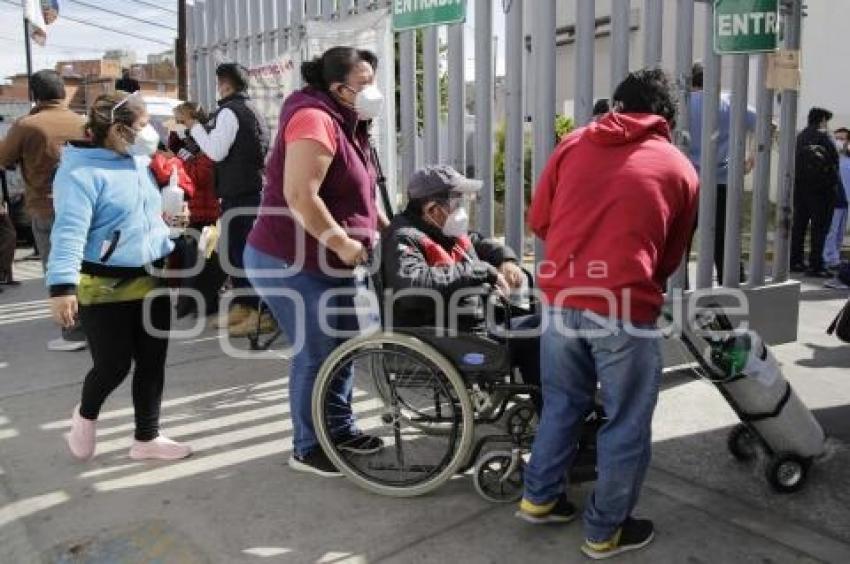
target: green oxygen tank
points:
(731, 354)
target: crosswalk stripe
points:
(22, 320)
(23, 306)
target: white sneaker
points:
(64, 345)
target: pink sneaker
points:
(161, 448)
(81, 439)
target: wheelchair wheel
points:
(397, 386)
(498, 476)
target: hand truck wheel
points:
(742, 443)
(787, 472)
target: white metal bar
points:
(653, 25)
(256, 32)
(407, 80)
(284, 33)
(620, 30)
(457, 98)
(484, 112)
(431, 95)
(543, 54)
(584, 66)
(761, 179)
(245, 43)
(515, 132)
(231, 30)
(787, 138)
(708, 156)
(684, 66)
(271, 33)
(735, 183)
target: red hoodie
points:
(616, 206)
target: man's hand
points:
(64, 310)
(513, 274)
(502, 286)
(352, 252)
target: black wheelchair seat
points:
(471, 353)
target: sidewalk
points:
(236, 501)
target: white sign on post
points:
(372, 31)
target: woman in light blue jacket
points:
(108, 237)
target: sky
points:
(68, 40)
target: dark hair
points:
(416, 206)
(817, 115)
(236, 74)
(697, 75)
(601, 107)
(101, 112)
(647, 91)
(335, 65)
(47, 85)
(842, 130)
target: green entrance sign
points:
(412, 14)
(745, 26)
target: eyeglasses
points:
(121, 103)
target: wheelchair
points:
(443, 404)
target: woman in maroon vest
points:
(318, 220)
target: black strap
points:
(834, 325)
(5, 186)
(382, 184)
(752, 417)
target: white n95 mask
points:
(369, 103)
(146, 142)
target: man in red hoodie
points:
(615, 205)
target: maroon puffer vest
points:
(348, 190)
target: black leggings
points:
(116, 335)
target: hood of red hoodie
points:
(622, 129)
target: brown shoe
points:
(235, 316)
(264, 323)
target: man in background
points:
(237, 141)
(34, 143)
(724, 127)
(816, 186)
(127, 83)
(832, 249)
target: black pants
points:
(8, 241)
(238, 229)
(117, 337)
(719, 236)
(811, 207)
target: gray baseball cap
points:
(440, 179)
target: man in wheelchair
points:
(439, 273)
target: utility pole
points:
(28, 48)
(181, 54)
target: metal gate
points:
(637, 33)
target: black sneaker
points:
(558, 511)
(359, 443)
(314, 462)
(632, 535)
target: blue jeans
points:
(832, 247)
(628, 371)
(312, 344)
